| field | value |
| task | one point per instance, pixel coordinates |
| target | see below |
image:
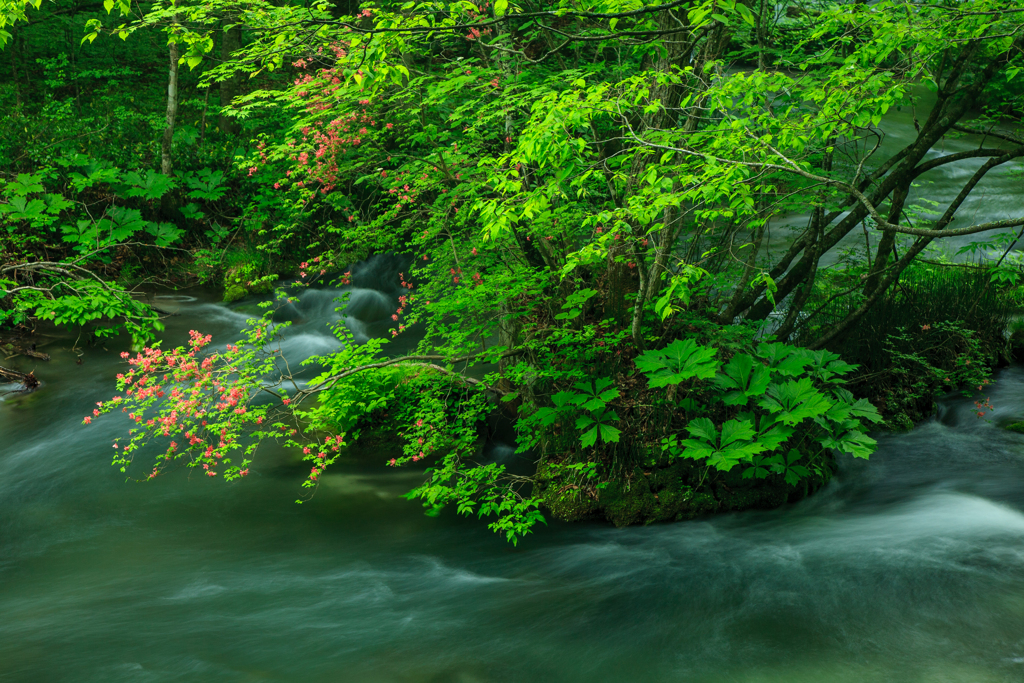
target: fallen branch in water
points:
(28, 381)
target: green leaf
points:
(745, 13)
(546, 416)
(120, 223)
(737, 430)
(205, 184)
(745, 377)
(584, 421)
(775, 436)
(153, 186)
(793, 365)
(25, 184)
(609, 434)
(564, 398)
(703, 428)
(856, 443)
(679, 361)
(727, 458)
(696, 450)
(795, 401)
(191, 212)
(165, 234)
(863, 409)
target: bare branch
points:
(880, 223)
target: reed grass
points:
(924, 296)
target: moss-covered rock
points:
(767, 494)
(234, 292)
(1016, 427)
(662, 493)
(571, 505)
(900, 422)
(628, 502)
(565, 500)
(244, 275)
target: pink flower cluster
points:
(202, 398)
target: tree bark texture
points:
(230, 41)
(166, 160)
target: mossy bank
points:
(664, 493)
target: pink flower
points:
(88, 420)
(286, 401)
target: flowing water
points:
(906, 568)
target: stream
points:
(909, 567)
(996, 197)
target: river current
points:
(909, 567)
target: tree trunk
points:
(230, 41)
(952, 104)
(888, 241)
(172, 108)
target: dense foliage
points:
(585, 196)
